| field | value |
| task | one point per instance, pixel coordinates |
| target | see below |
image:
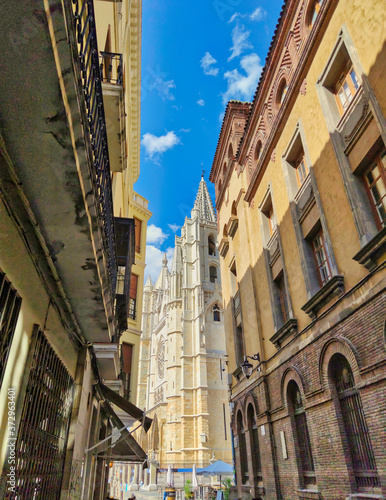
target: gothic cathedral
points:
(182, 371)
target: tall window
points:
(322, 258)
(133, 296)
(213, 273)
(211, 245)
(345, 86)
(216, 313)
(10, 303)
(242, 449)
(271, 220)
(127, 357)
(302, 438)
(255, 448)
(280, 283)
(354, 423)
(282, 92)
(301, 168)
(138, 226)
(374, 179)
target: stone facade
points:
(302, 246)
(182, 382)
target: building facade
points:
(69, 155)
(300, 196)
(182, 383)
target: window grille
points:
(303, 437)
(10, 304)
(43, 431)
(361, 451)
(255, 448)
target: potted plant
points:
(188, 489)
(227, 488)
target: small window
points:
(345, 86)
(216, 313)
(211, 245)
(283, 88)
(224, 169)
(271, 220)
(374, 179)
(230, 152)
(258, 151)
(213, 273)
(322, 258)
(301, 168)
(314, 11)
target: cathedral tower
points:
(183, 348)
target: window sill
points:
(289, 328)
(233, 224)
(333, 288)
(367, 256)
(309, 495)
(223, 247)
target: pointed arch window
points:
(356, 433)
(211, 245)
(213, 273)
(216, 313)
(255, 448)
(301, 435)
(258, 151)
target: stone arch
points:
(238, 408)
(291, 373)
(209, 307)
(251, 400)
(341, 346)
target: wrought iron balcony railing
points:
(84, 24)
(111, 67)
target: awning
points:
(126, 406)
(126, 447)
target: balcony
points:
(111, 70)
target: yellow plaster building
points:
(300, 196)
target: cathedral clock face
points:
(161, 359)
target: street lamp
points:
(247, 367)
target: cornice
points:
(305, 59)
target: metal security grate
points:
(10, 304)
(354, 420)
(43, 431)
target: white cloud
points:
(155, 146)
(155, 235)
(201, 102)
(242, 86)
(258, 14)
(207, 63)
(163, 88)
(174, 227)
(234, 16)
(185, 130)
(154, 258)
(240, 41)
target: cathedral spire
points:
(203, 203)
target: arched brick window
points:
(301, 435)
(356, 434)
(242, 449)
(282, 92)
(258, 151)
(255, 448)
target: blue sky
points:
(195, 57)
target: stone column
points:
(134, 485)
(153, 475)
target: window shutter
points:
(133, 286)
(127, 354)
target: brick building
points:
(300, 196)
